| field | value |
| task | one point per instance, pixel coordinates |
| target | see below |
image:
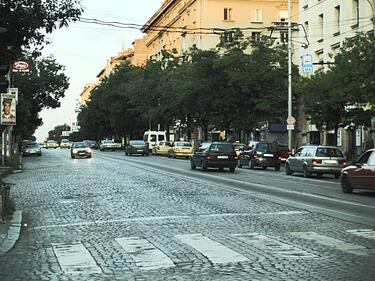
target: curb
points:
(13, 233)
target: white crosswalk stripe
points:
(274, 246)
(212, 250)
(145, 254)
(75, 258)
(366, 233)
(332, 242)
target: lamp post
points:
(289, 71)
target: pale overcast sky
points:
(84, 48)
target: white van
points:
(154, 137)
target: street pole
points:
(289, 71)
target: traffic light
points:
(4, 82)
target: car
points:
(360, 173)
(284, 152)
(52, 144)
(31, 148)
(109, 145)
(316, 159)
(161, 148)
(65, 143)
(262, 154)
(136, 147)
(91, 143)
(239, 147)
(180, 149)
(216, 155)
(80, 149)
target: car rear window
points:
(328, 152)
(221, 147)
(267, 147)
(183, 144)
(137, 142)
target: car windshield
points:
(203, 146)
(51, 141)
(79, 145)
(137, 142)
(30, 145)
(328, 152)
(107, 141)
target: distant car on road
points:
(262, 154)
(161, 148)
(109, 145)
(31, 148)
(360, 173)
(65, 143)
(316, 159)
(216, 155)
(180, 149)
(136, 147)
(80, 149)
(52, 144)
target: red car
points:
(360, 174)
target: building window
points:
(306, 25)
(356, 12)
(258, 17)
(337, 19)
(321, 20)
(227, 14)
(283, 16)
(255, 36)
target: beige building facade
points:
(182, 24)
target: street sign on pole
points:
(291, 120)
(307, 63)
(290, 127)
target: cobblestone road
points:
(97, 219)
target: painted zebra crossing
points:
(75, 258)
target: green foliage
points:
(56, 133)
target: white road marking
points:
(136, 219)
(274, 246)
(145, 255)
(214, 251)
(366, 233)
(75, 258)
(332, 242)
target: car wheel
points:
(221, 169)
(251, 164)
(192, 165)
(204, 166)
(288, 171)
(277, 167)
(232, 169)
(264, 167)
(126, 154)
(337, 175)
(306, 173)
(345, 184)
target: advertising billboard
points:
(8, 113)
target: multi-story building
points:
(182, 24)
(327, 23)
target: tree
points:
(27, 23)
(56, 133)
(41, 88)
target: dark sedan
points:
(216, 155)
(262, 154)
(137, 147)
(80, 149)
(360, 174)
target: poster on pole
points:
(8, 113)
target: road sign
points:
(20, 66)
(307, 63)
(291, 120)
(290, 127)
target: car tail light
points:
(209, 157)
(343, 162)
(178, 149)
(280, 158)
(316, 161)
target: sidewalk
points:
(10, 228)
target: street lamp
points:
(289, 71)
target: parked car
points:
(262, 154)
(284, 152)
(136, 147)
(80, 149)
(109, 145)
(52, 144)
(180, 149)
(161, 148)
(316, 159)
(360, 173)
(239, 147)
(31, 148)
(216, 155)
(65, 143)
